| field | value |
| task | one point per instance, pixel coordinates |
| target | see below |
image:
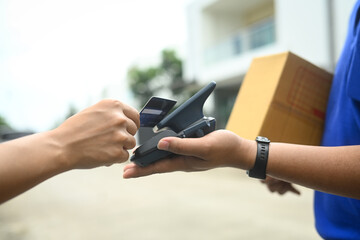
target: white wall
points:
(302, 28)
(313, 29)
(341, 13)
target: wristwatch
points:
(259, 169)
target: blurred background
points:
(58, 57)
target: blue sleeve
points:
(353, 87)
(353, 78)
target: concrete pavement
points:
(99, 204)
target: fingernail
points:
(163, 145)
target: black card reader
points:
(187, 121)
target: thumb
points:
(182, 146)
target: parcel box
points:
(283, 97)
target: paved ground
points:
(99, 204)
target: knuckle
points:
(121, 120)
(127, 141)
(132, 130)
(115, 103)
(112, 103)
(102, 102)
(132, 142)
(118, 154)
(106, 101)
(120, 137)
(124, 156)
(110, 157)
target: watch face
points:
(262, 139)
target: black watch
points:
(259, 169)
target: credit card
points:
(155, 110)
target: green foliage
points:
(140, 80)
(3, 122)
(171, 66)
(166, 76)
(71, 111)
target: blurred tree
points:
(3, 122)
(140, 82)
(167, 76)
(171, 67)
(71, 111)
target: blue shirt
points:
(339, 217)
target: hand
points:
(279, 186)
(99, 135)
(218, 149)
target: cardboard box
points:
(283, 97)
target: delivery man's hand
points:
(332, 170)
(218, 149)
(279, 186)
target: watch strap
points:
(259, 169)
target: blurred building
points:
(225, 35)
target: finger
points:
(120, 156)
(285, 187)
(294, 190)
(124, 157)
(162, 166)
(130, 165)
(129, 142)
(131, 127)
(187, 147)
(272, 183)
(267, 180)
(282, 189)
(276, 186)
(133, 114)
(271, 189)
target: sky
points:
(54, 54)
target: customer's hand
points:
(218, 149)
(99, 135)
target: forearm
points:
(27, 161)
(329, 169)
(97, 136)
